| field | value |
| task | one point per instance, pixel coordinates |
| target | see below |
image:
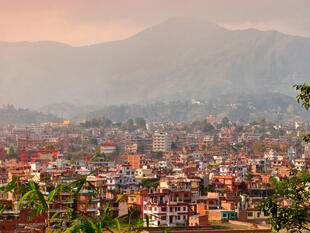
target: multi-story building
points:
(34, 155)
(124, 179)
(166, 208)
(135, 161)
(161, 142)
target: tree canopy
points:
(289, 206)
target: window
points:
(224, 215)
(250, 214)
(164, 209)
(258, 215)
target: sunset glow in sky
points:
(82, 22)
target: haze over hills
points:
(11, 115)
(273, 106)
(179, 59)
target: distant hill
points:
(273, 106)
(178, 59)
(66, 110)
(11, 115)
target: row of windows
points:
(251, 214)
(164, 209)
(179, 217)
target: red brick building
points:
(34, 155)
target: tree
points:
(93, 141)
(259, 147)
(140, 123)
(149, 183)
(207, 189)
(158, 155)
(215, 139)
(249, 177)
(50, 147)
(289, 206)
(130, 122)
(174, 146)
(207, 127)
(40, 197)
(225, 122)
(294, 215)
(130, 126)
(11, 153)
(304, 99)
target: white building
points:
(161, 142)
(124, 179)
(107, 148)
(166, 209)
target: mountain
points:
(67, 110)
(273, 106)
(11, 115)
(178, 59)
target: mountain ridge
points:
(174, 60)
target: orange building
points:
(134, 161)
(224, 182)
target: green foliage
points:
(92, 141)
(149, 183)
(158, 155)
(225, 122)
(259, 147)
(207, 127)
(103, 122)
(266, 104)
(140, 123)
(11, 153)
(303, 98)
(34, 196)
(215, 139)
(12, 115)
(174, 146)
(207, 189)
(249, 177)
(294, 215)
(50, 147)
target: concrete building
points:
(161, 142)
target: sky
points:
(84, 22)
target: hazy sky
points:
(81, 22)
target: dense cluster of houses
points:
(173, 175)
